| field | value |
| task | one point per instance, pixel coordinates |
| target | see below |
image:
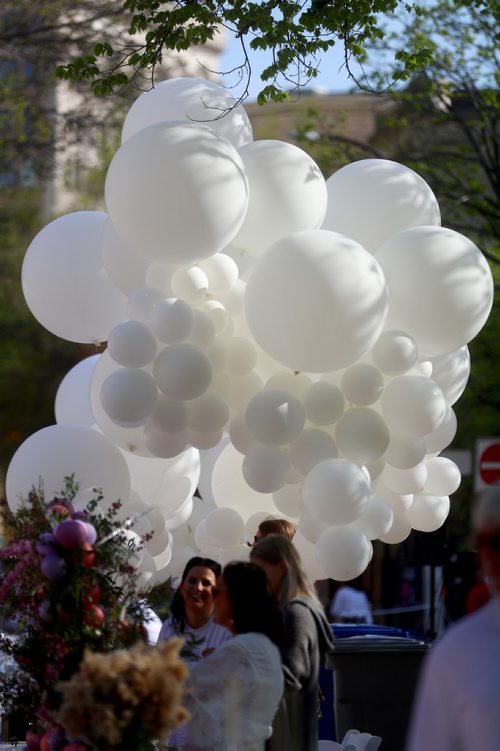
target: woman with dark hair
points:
(191, 617)
(236, 691)
(308, 638)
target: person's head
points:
(193, 601)
(243, 602)
(486, 528)
(274, 526)
(280, 560)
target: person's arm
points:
(296, 651)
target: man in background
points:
(458, 697)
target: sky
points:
(332, 77)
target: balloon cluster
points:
(306, 338)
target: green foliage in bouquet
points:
(68, 585)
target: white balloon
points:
(377, 518)
(234, 553)
(129, 396)
(362, 384)
(193, 100)
(404, 452)
(230, 489)
(323, 402)
(440, 287)
(443, 476)
(253, 522)
(332, 278)
(309, 526)
(241, 356)
(191, 284)
(159, 276)
(311, 447)
(451, 373)
(204, 441)
(240, 436)
(224, 527)
(221, 272)
(234, 299)
(399, 502)
(289, 501)
(171, 320)
(394, 352)
(375, 468)
(405, 481)
(162, 444)
(181, 514)
(208, 414)
(141, 303)
(344, 552)
(64, 282)
(58, 451)
(126, 269)
(336, 491)
(287, 194)
(196, 162)
(288, 380)
(362, 435)
(399, 531)
(203, 333)
(440, 438)
(274, 417)
(132, 344)
(388, 196)
(309, 557)
(413, 405)
(170, 416)
(265, 468)
(72, 403)
(182, 371)
(428, 512)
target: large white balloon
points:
(72, 403)
(451, 373)
(193, 100)
(126, 269)
(440, 287)
(343, 552)
(287, 194)
(336, 491)
(371, 199)
(176, 192)
(55, 452)
(64, 282)
(316, 301)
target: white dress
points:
(457, 706)
(234, 695)
(209, 636)
(351, 604)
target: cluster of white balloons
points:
(288, 345)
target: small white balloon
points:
(405, 481)
(451, 373)
(241, 390)
(203, 333)
(362, 435)
(362, 384)
(240, 436)
(311, 447)
(344, 552)
(208, 414)
(428, 512)
(169, 415)
(324, 403)
(224, 527)
(287, 380)
(129, 396)
(443, 476)
(413, 405)
(336, 491)
(399, 531)
(230, 489)
(141, 303)
(440, 438)
(308, 553)
(377, 518)
(309, 526)
(289, 501)
(171, 320)
(72, 404)
(265, 468)
(132, 344)
(399, 502)
(204, 441)
(221, 272)
(126, 269)
(394, 352)
(182, 371)
(164, 445)
(404, 452)
(253, 522)
(274, 417)
(241, 356)
(190, 284)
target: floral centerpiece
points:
(69, 587)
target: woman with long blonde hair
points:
(307, 640)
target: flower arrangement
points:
(69, 585)
(125, 699)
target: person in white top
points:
(350, 604)
(458, 696)
(191, 617)
(234, 693)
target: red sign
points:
(489, 464)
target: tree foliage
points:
(295, 34)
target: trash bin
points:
(374, 680)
